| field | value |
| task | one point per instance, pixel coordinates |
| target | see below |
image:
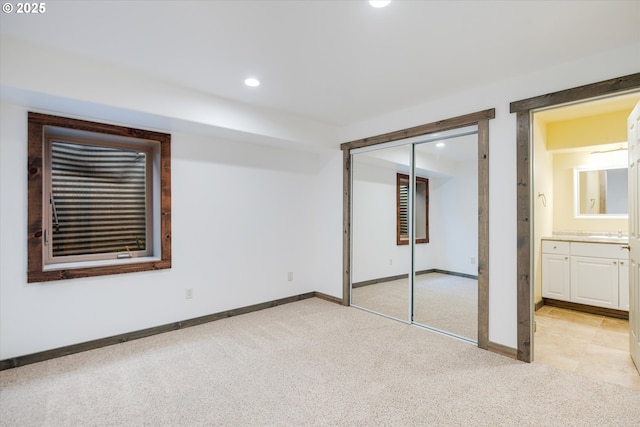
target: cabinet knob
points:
(615, 262)
(566, 257)
(621, 262)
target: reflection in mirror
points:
(443, 272)
(379, 267)
(601, 192)
(445, 293)
(421, 211)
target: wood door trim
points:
(594, 90)
(481, 119)
(439, 126)
(524, 110)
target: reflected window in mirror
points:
(601, 192)
(421, 211)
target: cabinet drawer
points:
(599, 250)
(555, 247)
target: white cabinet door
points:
(623, 282)
(555, 276)
(594, 281)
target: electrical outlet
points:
(188, 293)
(290, 276)
(473, 260)
(390, 261)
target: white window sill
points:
(99, 263)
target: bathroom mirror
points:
(601, 192)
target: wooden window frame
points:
(37, 271)
(400, 238)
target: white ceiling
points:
(336, 62)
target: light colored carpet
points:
(389, 298)
(304, 364)
(441, 301)
(447, 302)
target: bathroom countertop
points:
(589, 238)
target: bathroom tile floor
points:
(588, 344)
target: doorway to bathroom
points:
(572, 311)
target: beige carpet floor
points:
(309, 363)
(442, 301)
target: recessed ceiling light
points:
(379, 3)
(251, 82)
(440, 144)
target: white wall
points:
(373, 224)
(301, 234)
(327, 226)
(502, 157)
(242, 217)
(543, 205)
(453, 228)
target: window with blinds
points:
(404, 210)
(98, 200)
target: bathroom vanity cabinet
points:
(588, 273)
(556, 282)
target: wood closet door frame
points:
(481, 119)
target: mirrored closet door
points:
(380, 269)
(414, 242)
(445, 285)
